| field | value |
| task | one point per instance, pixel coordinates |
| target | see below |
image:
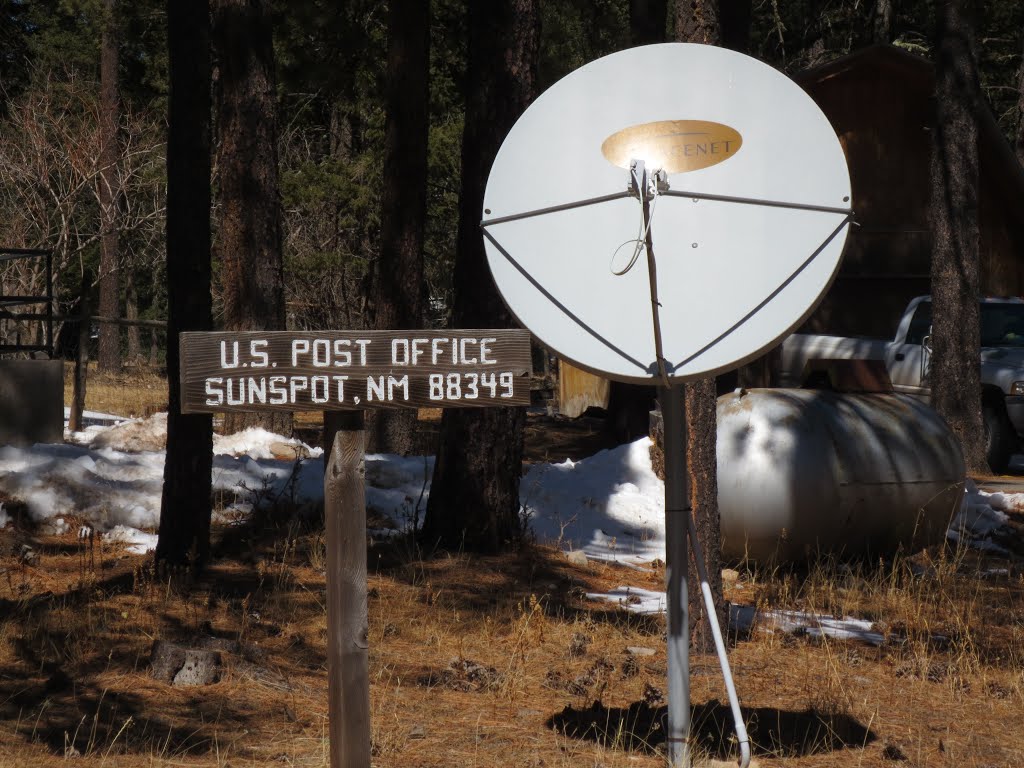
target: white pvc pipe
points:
(716, 633)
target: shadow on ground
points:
(775, 732)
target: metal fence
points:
(26, 314)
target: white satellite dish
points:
(748, 218)
(663, 214)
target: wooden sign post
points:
(348, 645)
(351, 371)
(339, 370)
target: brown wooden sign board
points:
(342, 370)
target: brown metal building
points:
(880, 102)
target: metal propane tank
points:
(805, 472)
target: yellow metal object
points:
(675, 146)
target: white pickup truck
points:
(907, 356)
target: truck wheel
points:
(1000, 438)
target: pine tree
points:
(883, 22)
(696, 21)
(185, 510)
(1019, 143)
(955, 374)
(249, 239)
(109, 357)
(474, 498)
(398, 295)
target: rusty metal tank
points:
(814, 472)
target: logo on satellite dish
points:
(675, 146)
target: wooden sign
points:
(342, 370)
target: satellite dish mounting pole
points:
(677, 502)
(679, 522)
(645, 188)
(677, 515)
(677, 498)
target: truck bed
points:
(799, 348)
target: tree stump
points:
(179, 665)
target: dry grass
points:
(137, 391)
(494, 661)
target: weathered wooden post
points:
(82, 356)
(348, 650)
(346, 373)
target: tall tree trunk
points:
(474, 499)
(109, 358)
(1020, 114)
(956, 376)
(697, 22)
(398, 294)
(883, 21)
(647, 20)
(185, 502)
(250, 240)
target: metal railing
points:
(15, 300)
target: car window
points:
(1002, 325)
(920, 323)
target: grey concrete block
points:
(31, 401)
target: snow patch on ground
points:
(94, 424)
(139, 543)
(633, 599)
(105, 486)
(111, 474)
(610, 505)
(745, 618)
(981, 515)
(258, 443)
(398, 486)
(136, 435)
